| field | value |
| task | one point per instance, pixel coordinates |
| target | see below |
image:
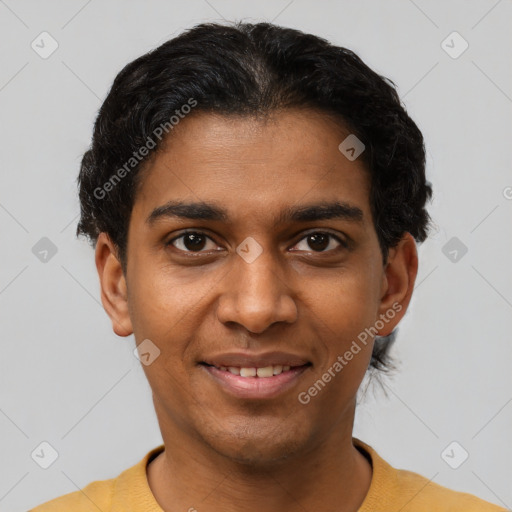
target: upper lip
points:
(244, 360)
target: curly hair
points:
(253, 70)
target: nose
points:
(256, 295)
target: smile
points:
(265, 371)
(256, 382)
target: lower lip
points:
(256, 387)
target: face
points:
(277, 265)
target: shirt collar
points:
(132, 492)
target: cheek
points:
(168, 311)
(345, 306)
(160, 301)
(342, 309)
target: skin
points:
(224, 453)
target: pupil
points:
(193, 241)
(320, 240)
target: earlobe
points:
(114, 295)
(398, 283)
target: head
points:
(229, 140)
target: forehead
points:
(254, 167)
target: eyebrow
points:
(209, 211)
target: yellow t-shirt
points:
(391, 490)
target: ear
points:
(113, 285)
(398, 283)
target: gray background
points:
(67, 379)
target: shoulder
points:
(96, 495)
(421, 494)
(394, 489)
(129, 487)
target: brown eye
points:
(190, 242)
(318, 242)
(194, 242)
(321, 242)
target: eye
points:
(191, 241)
(197, 242)
(322, 242)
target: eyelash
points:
(342, 242)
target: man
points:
(255, 195)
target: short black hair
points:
(253, 70)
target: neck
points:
(192, 476)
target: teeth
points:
(247, 372)
(267, 371)
(278, 368)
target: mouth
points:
(256, 382)
(260, 372)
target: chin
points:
(258, 443)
